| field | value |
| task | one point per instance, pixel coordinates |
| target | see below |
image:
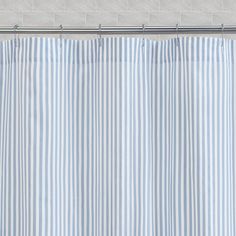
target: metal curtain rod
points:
(109, 30)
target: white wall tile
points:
(52, 5)
(229, 5)
(177, 5)
(224, 18)
(133, 18)
(10, 18)
(70, 18)
(103, 18)
(7, 5)
(38, 18)
(23, 5)
(145, 5)
(81, 5)
(164, 18)
(112, 5)
(207, 5)
(196, 18)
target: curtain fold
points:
(130, 137)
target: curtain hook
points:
(222, 35)
(100, 35)
(143, 28)
(15, 34)
(177, 34)
(61, 28)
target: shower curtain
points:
(123, 137)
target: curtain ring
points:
(100, 35)
(143, 28)
(16, 37)
(177, 34)
(222, 35)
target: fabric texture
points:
(131, 138)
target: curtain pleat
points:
(130, 137)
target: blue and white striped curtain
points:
(131, 138)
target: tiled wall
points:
(117, 12)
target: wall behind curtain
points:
(112, 12)
(136, 137)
